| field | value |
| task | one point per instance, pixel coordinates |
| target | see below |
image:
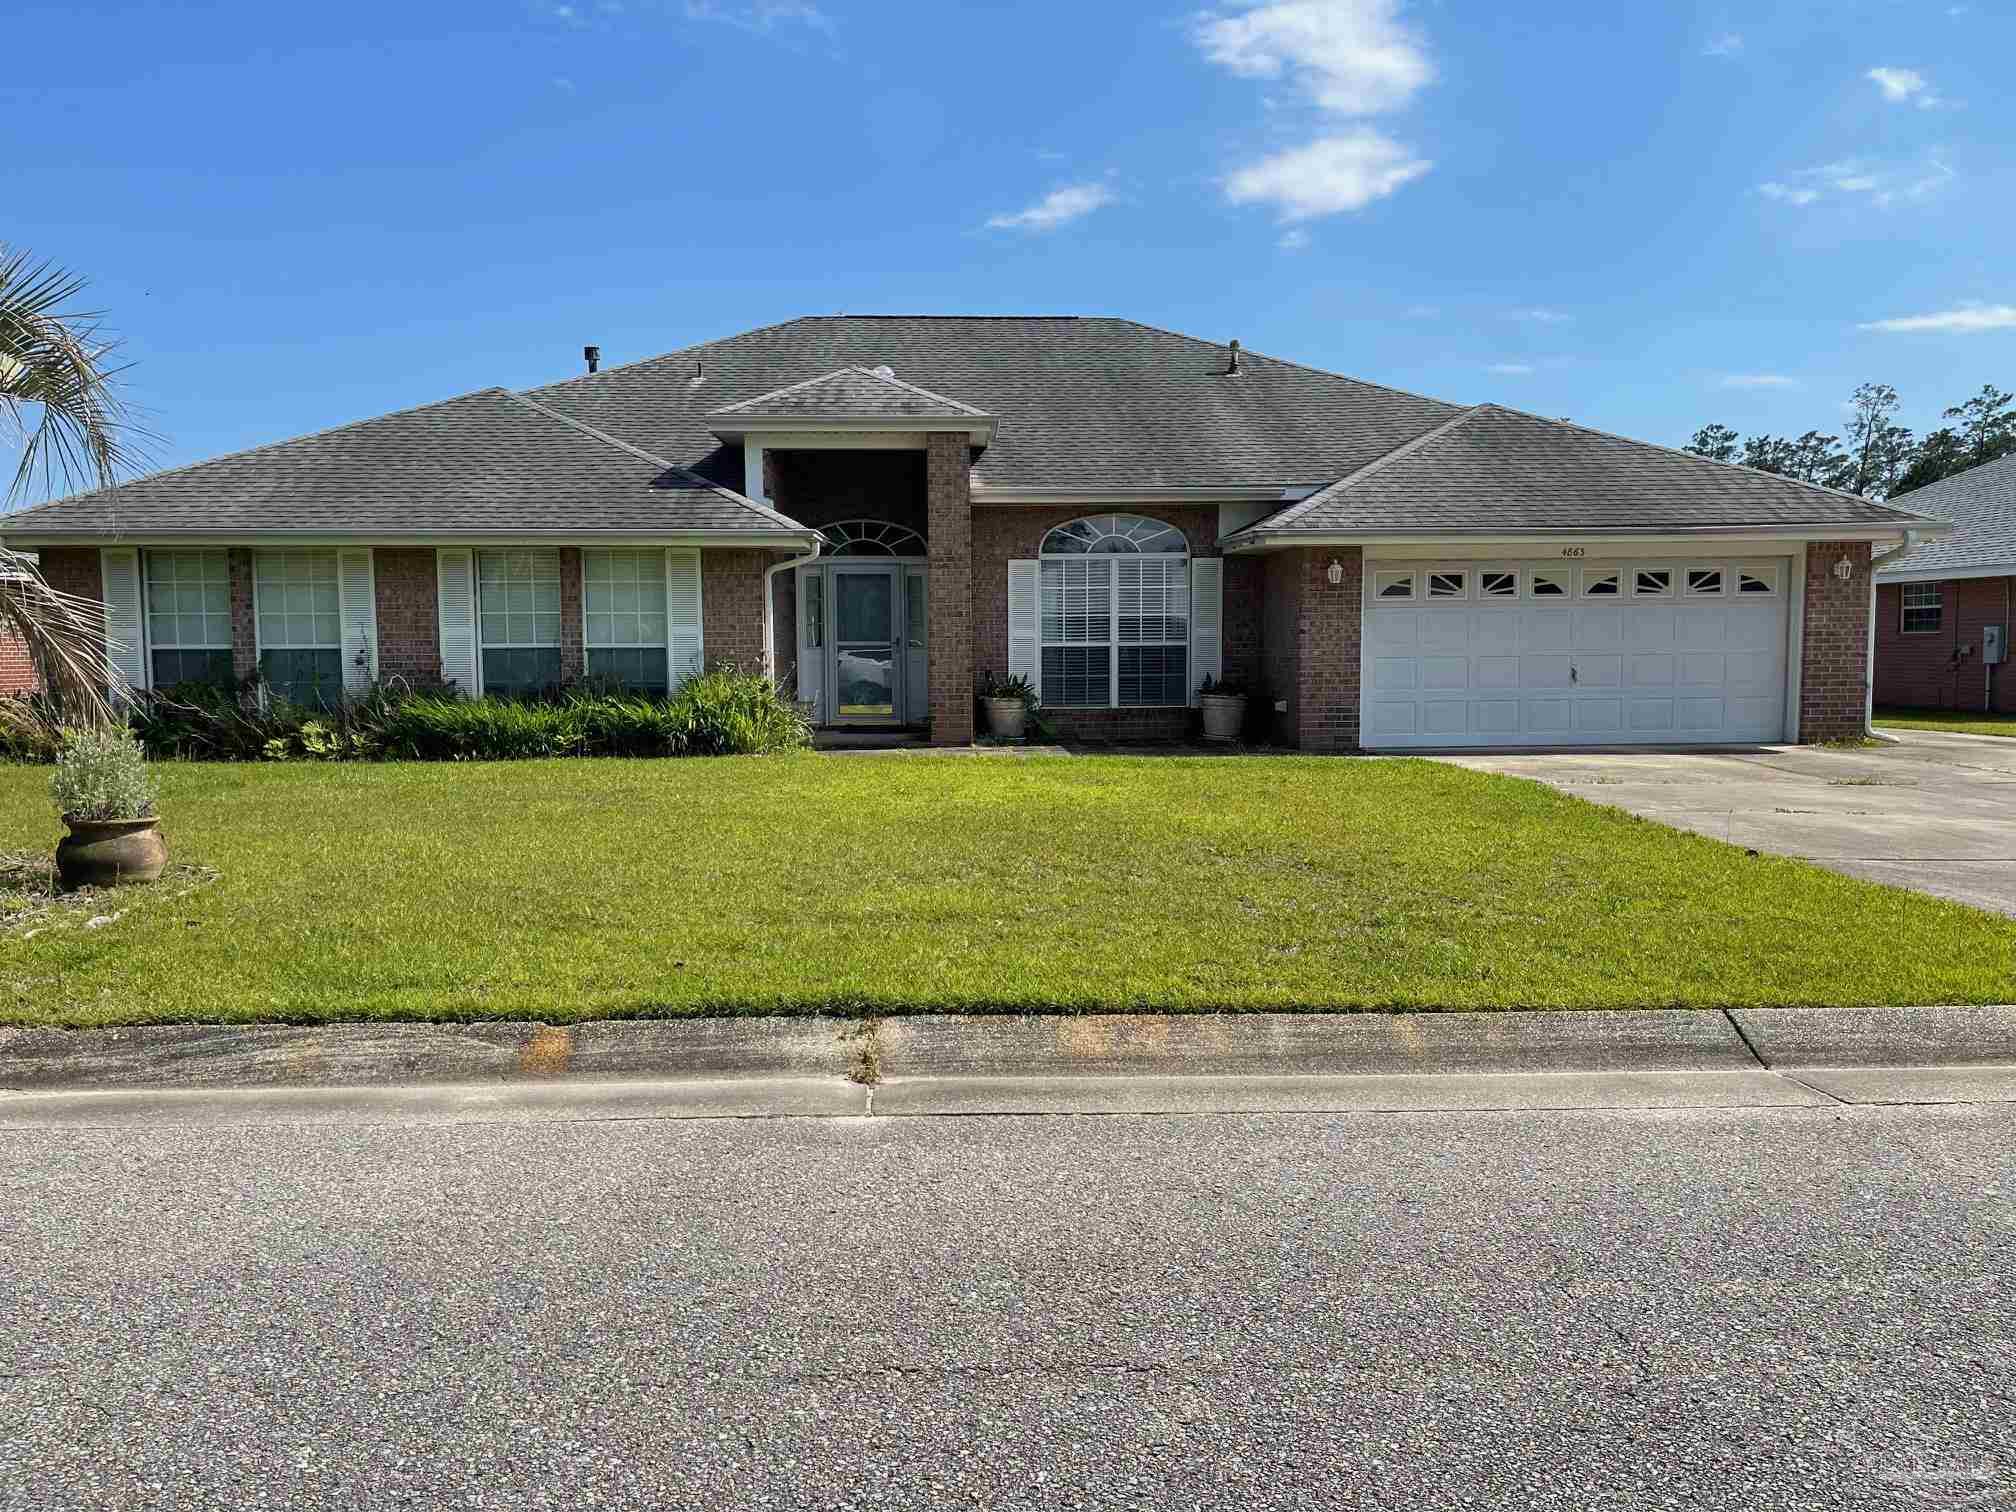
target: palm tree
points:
(59, 395)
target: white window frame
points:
(590, 646)
(1669, 592)
(1769, 573)
(1593, 571)
(1937, 606)
(484, 645)
(1564, 576)
(1380, 580)
(261, 645)
(1463, 576)
(1722, 584)
(151, 620)
(1176, 599)
(1499, 569)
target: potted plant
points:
(1223, 702)
(1008, 701)
(105, 794)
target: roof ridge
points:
(1329, 490)
(1287, 362)
(698, 346)
(249, 451)
(864, 371)
(1678, 451)
(762, 510)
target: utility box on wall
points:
(1994, 644)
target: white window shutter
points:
(125, 645)
(455, 589)
(359, 595)
(1207, 621)
(1025, 623)
(684, 642)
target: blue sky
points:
(1641, 216)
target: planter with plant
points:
(1222, 701)
(105, 794)
(1008, 702)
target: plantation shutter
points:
(684, 642)
(455, 588)
(357, 591)
(119, 572)
(1207, 621)
(1025, 623)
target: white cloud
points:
(1541, 315)
(1904, 86)
(1511, 369)
(1967, 320)
(1759, 381)
(1883, 185)
(1727, 45)
(1057, 208)
(760, 15)
(1352, 57)
(1295, 240)
(1331, 174)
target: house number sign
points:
(1574, 551)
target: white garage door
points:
(1574, 653)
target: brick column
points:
(244, 606)
(573, 660)
(1310, 633)
(1834, 656)
(409, 613)
(948, 495)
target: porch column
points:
(949, 511)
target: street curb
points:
(1876, 1038)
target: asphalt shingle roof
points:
(484, 462)
(1491, 468)
(1084, 402)
(851, 391)
(1981, 502)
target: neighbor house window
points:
(1115, 613)
(1924, 605)
(189, 617)
(623, 602)
(518, 604)
(300, 625)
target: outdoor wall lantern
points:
(1336, 572)
(1844, 569)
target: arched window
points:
(1115, 613)
(1115, 535)
(859, 538)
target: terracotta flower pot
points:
(1224, 717)
(108, 852)
(1007, 718)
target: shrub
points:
(31, 727)
(101, 773)
(729, 713)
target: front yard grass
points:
(1956, 721)
(596, 888)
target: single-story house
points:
(1942, 605)
(881, 508)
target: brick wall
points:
(73, 569)
(17, 667)
(949, 494)
(573, 661)
(244, 614)
(409, 613)
(1309, 656)
(1942, 669)
(1833, 687)
(731, 606)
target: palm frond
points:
(65, 637)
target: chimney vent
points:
(594, 356)
(1235, 358)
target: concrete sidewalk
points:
(941, 1065)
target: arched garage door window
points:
(1115, 613)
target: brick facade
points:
(1833, 686)
(948, 493)
(731, 606)
(244, 612)
(73, 570)
(1309, 645)
(1942, 669)
(573, 659)
(17, 667)
(409, 614)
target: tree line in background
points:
(1876, 457)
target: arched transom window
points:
(1115, 613)
(1115, 535)
(859, 538)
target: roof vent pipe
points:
(1235, 358)
(593, 354)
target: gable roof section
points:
(852, 392)
(1981, 503)
(482, 464)
(1492, 470)
(1087, 403)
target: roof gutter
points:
(1243, 541)
(1242, 493)
(779, 540)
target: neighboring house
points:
(1933, 602)
(880, 508)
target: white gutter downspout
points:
(770, 605)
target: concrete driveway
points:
(1934, 812)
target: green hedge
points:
(720, 713)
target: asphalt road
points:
(1729, 1307)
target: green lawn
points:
(1959, 721)
(595, 888)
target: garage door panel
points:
(1679, 665)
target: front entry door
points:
(867, 641)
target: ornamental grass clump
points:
(101, 773)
